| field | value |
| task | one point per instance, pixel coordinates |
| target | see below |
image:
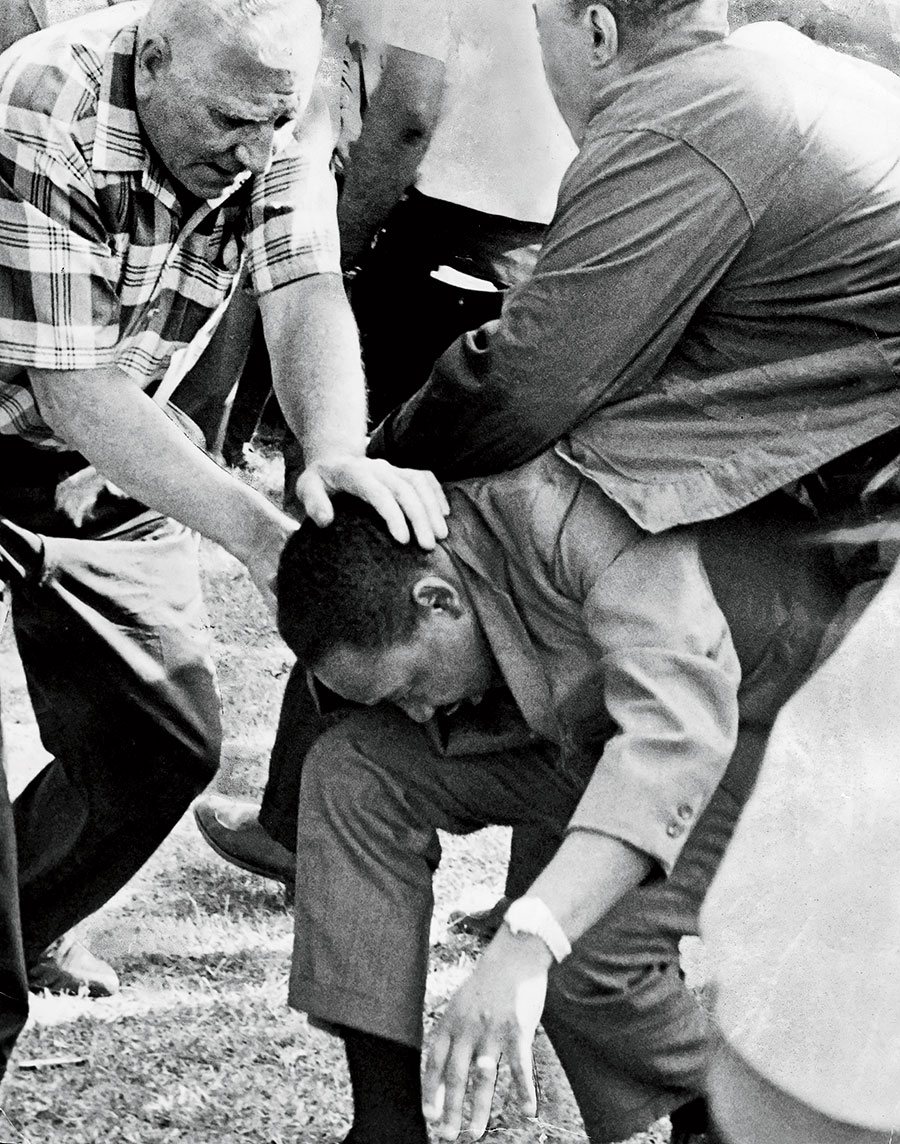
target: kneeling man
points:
(549, 665)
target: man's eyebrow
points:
(242, 115)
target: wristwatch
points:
(532, 916)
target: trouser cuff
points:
(331, 1005)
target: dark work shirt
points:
(716, 310)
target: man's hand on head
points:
(403, 497)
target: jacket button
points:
(674, 829)
(685, 810)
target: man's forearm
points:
(127, 436)
(586, 877)
(316, 367)
(375, 181)
(395, 135)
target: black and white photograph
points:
(449, 602)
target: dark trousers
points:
(406, 317)
(13, 977)
(110, 636)
(299, 725)
(110, 633)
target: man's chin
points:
(208, 184)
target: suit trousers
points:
(376, 787)
(111, 636)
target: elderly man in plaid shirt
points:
(147, 152)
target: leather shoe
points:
(68, 967)
(232, 828)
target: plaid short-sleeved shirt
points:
(98, 266)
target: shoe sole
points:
(250, 867)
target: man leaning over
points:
(721, 277)
(145, 151)
(554, 667)
(715, 311)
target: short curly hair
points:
(349, 583)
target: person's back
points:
(500, 145)
(817, 179)
(795, 167)
(869, 29)
(797, 147)
(722, 277)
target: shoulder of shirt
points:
(748, 73)
(545, 516)
(740, 103)
(36, 71)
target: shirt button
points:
(685, 811)
(674, 829)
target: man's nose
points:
(255, 148)
(418, 712)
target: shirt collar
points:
(118, 141)
(698, 28)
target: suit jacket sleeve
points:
(670, 678)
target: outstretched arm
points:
(106, 416)
(496, 1012)
(623, 268)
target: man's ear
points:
(154, 54)
(604, 35)
(435, 594)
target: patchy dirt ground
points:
(199, 1047)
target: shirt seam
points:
(701, 154)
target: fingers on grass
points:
(522, 1068)
(484, 1074)
(432, 1078)
(455, 1077)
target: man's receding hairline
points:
(232, 20)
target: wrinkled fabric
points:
(716, 308)
(99, 264)
(802, 924)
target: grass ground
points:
(199, 1046)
